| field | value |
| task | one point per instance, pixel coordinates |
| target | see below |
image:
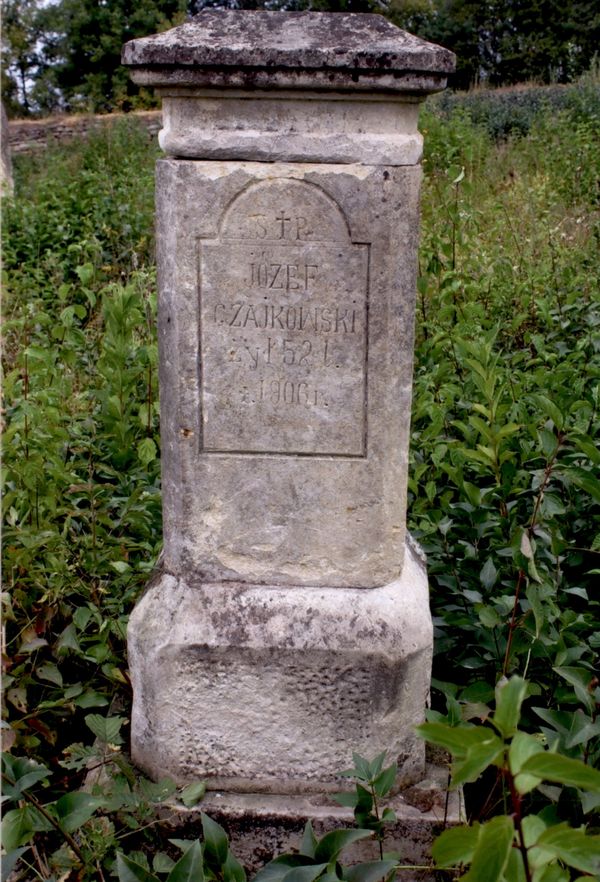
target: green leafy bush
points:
(516, 110)
(504, 490)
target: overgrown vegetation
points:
(504, 492)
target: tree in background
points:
(89, 72)
(502, 42)
(21, 31)
(66, 55)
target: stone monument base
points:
(266, 689)
(262, 826)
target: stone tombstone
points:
(289, 624)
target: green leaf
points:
(549, 409)
(522, 747)
(346, 799)
(362, 767)
(130, 871)
(105, 728)
(492, 851)
(68, 641)
(157, 791)
(488, 574)
(455, 739)
(589, 801)
(305, 874)
(146, 451)
(587, 481)
(17, 828)
(509, 698)
(376, 765)
(309, 841)
(182, 844)
(23, 773)
(515, 870)
(573, 847)
(335, 841)
(276, 869)
(386, 779)
(563, 770)
(233, 870)
(582, 733)
(50, 673)
(193, 793)
(215, 840)
(455, 846)
(479, 756)
(91, 698)
(580, 679)
(371, 871)
(188, 868)
(85, 273)
(120, 566)
(82, 616)
(162, 863)
(551, 873)
(9, 861)
(74, 809)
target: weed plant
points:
(504, 490)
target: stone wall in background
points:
(27, 135)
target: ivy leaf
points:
(371, 871)
(276, 869)
(188, 868)
(308, 873)
(215, 840)
(193, 793)
(309, 841)
(335, 841)
(130, 871)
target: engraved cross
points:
(283, 220)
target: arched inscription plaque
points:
(283, 327)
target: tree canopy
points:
(66, 55)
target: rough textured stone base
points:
(262, 688)
(261, 826)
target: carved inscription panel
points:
(283, 326)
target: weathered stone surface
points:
(300, 127)
(258, 49)
(286, 330)
(289, 627)
(270, 689)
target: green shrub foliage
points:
(504, 494)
